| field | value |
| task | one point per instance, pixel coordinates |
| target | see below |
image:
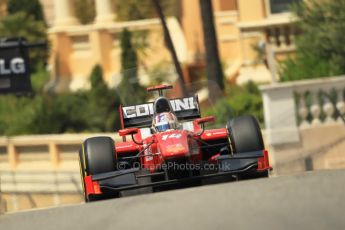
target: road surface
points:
(307, 201)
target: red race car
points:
(165, 146)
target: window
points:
(228, 5)
(81, 42)
(281, 6)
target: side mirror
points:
(205, 120)
(202, 121)
(129, 131)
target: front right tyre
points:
(97, 155)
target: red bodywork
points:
(169, 145)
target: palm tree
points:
(213, 65)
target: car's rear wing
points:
(141, 115)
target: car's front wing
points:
(128, 179)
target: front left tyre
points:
(245, 136)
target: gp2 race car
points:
(170, 148)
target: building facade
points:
(243, 28)
(252, 36)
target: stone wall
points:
(304, 124)
(319, 148)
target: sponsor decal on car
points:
(182, 104)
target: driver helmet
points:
(165, 121)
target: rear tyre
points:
(97, 155)
(245, 136)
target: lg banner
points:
(15, 65)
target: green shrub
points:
(32, 8)
(320, 49)
(84, 111)
(39, 78)
(130, 90)
(239, 100)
